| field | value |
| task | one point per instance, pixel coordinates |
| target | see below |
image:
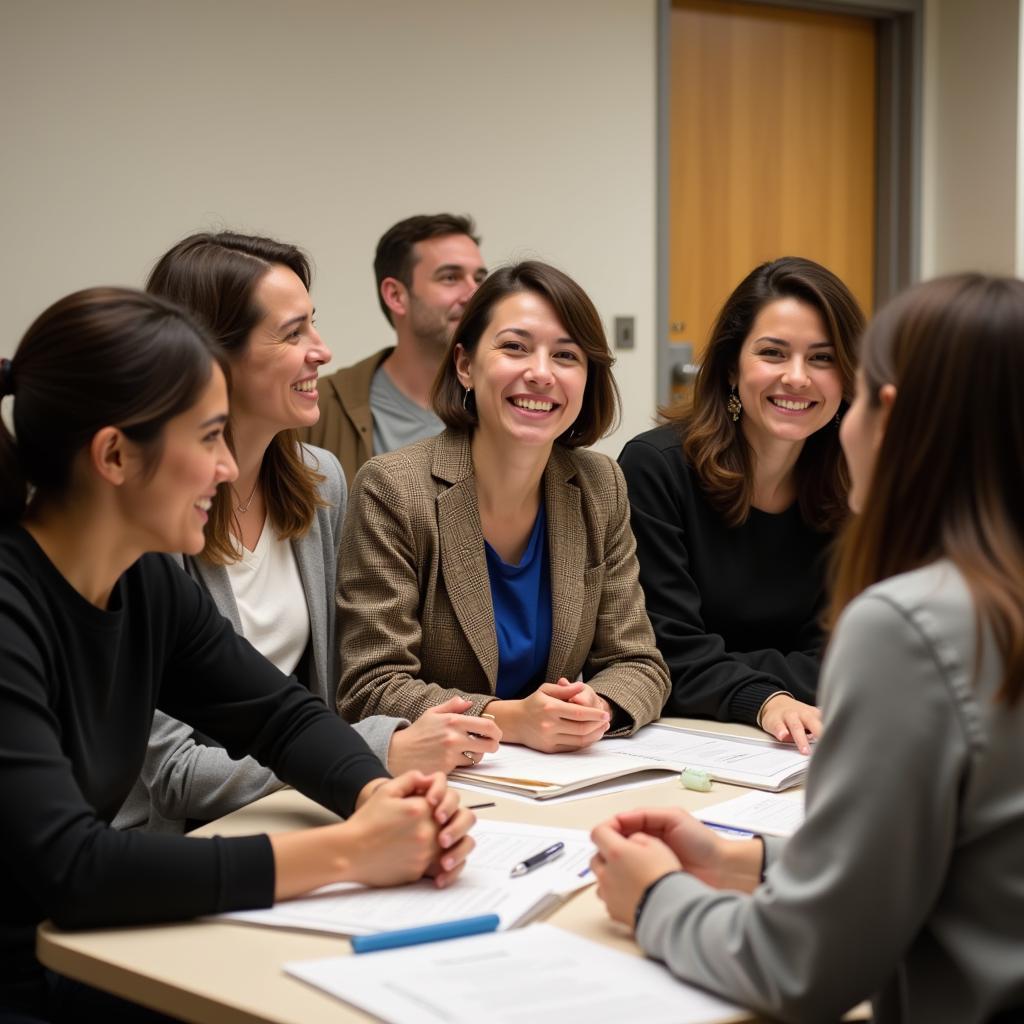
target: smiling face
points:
(527, 374)
(446, 272)
(786, 376)
(274, 378)
(170, 505)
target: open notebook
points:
(740, 760)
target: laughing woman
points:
(911, 889)
(736, 500)
(118, 411)
(495, 562)
(272, 540)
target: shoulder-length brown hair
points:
(215, 277)
(947, 479)
(577, 315)
(716, 448)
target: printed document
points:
(740, 760)
(770, 814)
(484, 887)
(539, 975)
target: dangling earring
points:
(734, 405)
(465, 399)
(839, 419)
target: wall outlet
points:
(625, 332)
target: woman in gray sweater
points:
(272, 539)
(906, 881)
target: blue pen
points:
(729, 830)
(537, 860)
(426, 933)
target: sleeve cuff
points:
(665, 900)
(746, 703)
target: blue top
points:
(521, 596)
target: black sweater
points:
(78, 686)
(734, 609)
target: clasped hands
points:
(407, 827)
(636, 848)
(556, 717)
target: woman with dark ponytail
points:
(118, 411)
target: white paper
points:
(761, 762)
(741, 760)
(516, 762)
(637, 780)
(773, 814)
(484, 887)
(539, 975)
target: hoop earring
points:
(465, 400)
(734, 405)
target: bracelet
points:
(764, 704)
(764, 856)
(647, 895)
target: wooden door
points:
(772, 142)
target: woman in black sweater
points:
(735, 500)
(119, 411)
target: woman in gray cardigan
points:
(272, 540)
(906, 881)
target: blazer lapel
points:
(567, 552)
(462, 550)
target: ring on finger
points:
(470, 756)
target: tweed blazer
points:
(184, 778)
(415, 619)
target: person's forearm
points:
(305, 860)
(508, 717)
(739, 865)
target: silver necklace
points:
(243, 507)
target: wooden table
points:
(213, 972)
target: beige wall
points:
(971, 169)
(128, 123)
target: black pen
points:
(537, 860)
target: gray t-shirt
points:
(397, 421)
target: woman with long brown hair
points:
(271, 551)
(906, 880)
(735, 500)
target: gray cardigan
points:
(907, 879)
(183, 779)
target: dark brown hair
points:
(215, 277)
(947, 479)
(714, 444)
(577, 315)
(102, 357)
(395, 256)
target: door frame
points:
(898, 153)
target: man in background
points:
(426, 268)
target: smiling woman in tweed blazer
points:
(495, 563)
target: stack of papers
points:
(540, 975)
(769, 814)
(484, 887)
(740, 760)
